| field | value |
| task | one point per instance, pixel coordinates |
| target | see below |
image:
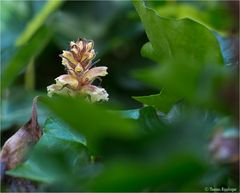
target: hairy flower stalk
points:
(80, 73)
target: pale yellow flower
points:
(80, 74)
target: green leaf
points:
(23, 55)
(151, 126)
(51, 160)
(30, 170)
(136, 176)
(38, 21)
(60, 130)
(30, 43)
(147, 51)
(17, 106)
(131, 114)
(190, 64)
(215, 17)
(150, 120)
(162, 101)
(184, 129)
(151, 162)
(57, 156)
(30, 75)
(171, 36)
(93, 121)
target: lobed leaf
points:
(92, 121)
(190, 63)
(162, 101)
(59, 130)
(55, 157)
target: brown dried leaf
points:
(15, 149)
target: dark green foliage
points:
(190, 63)
(155, 135)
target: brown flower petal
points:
(89, 46)
(80, 74)
(67, 79)
(96, 93)
(69, 56)
(93, 73)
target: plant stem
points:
(30, 75)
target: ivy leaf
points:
(92, 121)
(162, 101)
(147, 51)
(204, 14)
(60, 130)
(31, 170)
(171, 36)
(55, 157)
(150, 120)
(190, 64)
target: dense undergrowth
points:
(171, 122)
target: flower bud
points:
(89, 46)
(78, 68)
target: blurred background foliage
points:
(165, 110)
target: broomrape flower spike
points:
(78, 62)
